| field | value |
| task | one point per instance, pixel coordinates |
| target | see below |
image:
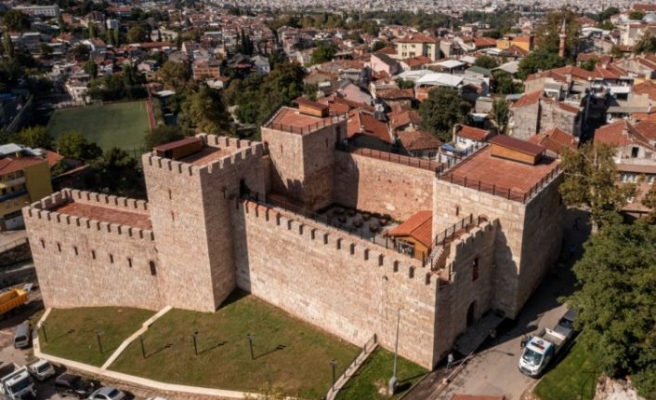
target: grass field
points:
(288, 353)
(574, 378)
(375, 374)
(122, 125)
(72, 332)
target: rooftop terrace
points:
(292, 120)
(501, 177)
(106, 214)
(206, 155)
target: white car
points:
(41, 370)
(107, 393)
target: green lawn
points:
(122, 125)
(72, 332)
(288, 352)
(574, 378)
(375, 374)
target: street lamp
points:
(193, 336)
(143, 348)
(333, 364)
(98, 334)
(250, 343)
(393, 382)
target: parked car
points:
(107, 393)
(73, 385)
(41, 370)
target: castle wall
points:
(84, 263)
(473, 250)
(380, 186)
(343, 284)
(191, 221)
(453, 202)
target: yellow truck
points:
(12, 299)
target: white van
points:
(22, 336)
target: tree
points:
(45, 50)
(74, 145)
(377, 46)
(174, 75)
(137, 34)
(591, 181)
(34, 137)
(616, 52)
(590, 64)
(323, 53)
(503, 83)
(547, 35)
(615, 302)
(646, 44)
(161, 135)
(636, 15)
(442, 110)
(91, 68)
(15, 20)
(486, 62)
(117, 170)
(8, 45)
(403, 84)
(92, 30)
(539, 60)
(500, 115)
(607, 13)
(205, 111)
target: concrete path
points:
(351, 370)
(135, 336)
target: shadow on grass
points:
(161, 349)
(277, 348)
(213, 347)
(234, 297)
(409, 379)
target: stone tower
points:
(563, 39)
(193, 185)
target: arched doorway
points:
(471, 312)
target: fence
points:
(518, 195)
(392, 157)
(307, 128)
(352, 368)
(336, 224)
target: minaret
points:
(563, 38)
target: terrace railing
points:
(302, 130)
(392, 157)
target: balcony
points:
(12, 182)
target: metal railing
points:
(454, 231)
(518, 195)
(392, 157)
(334, 223)
(324, 122)
(353, 366)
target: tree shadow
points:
(275, 349)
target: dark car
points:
(73, 385)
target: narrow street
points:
(493, 370)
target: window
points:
(634, 152)
(43, 244)
(75, 250)
(170, 195)
(111, 259)
(153, 269)
(475, 269)
(129, 262)
(59, 247)
(93, 254)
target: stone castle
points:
(225, 213)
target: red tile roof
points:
(53, 158)
(555, 140)
(620, 133)
(403, 119)
(12, 164)
(481, 42)
(528, 99)
(517, 145)
(362, 123)
(417, 61)
(646, 88)
(416, 140)
(418, 38)
(419, 227)
(471, 133)
(395, 94)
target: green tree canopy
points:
(323, 53)
(646, 44)
(500, 115)
(117, 171)
(161, 135)
(34, 137)
(442, 110)
(636, 15)
(174, 75)
(15, 20)
(205, 112)
(486, 62)
(137, 34)
(547, 35)
(590, 64)
(503, 83)
(539, 60)
(591, 181)
(91, 68)
(377, 46)
(607, 13)
(616, 303)
(74, 145)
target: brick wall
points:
(526, 121)
(335, 281)
(382, 186)
(84, 263)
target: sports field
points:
(120, 125)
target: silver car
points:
(107, 393)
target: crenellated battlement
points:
(361, 250)
(45, 210)
(168, 164)
(244, 151)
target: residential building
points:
(415, 45)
